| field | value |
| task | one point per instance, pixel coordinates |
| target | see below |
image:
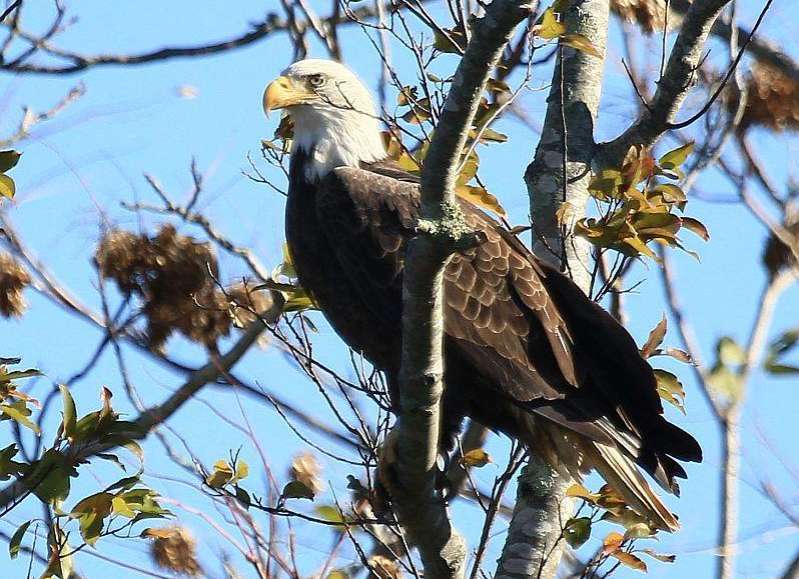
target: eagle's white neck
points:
(335, 137)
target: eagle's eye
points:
(316, 80)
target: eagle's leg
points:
(387, 455)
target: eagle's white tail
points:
(623, 475)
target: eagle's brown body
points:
(527, 353)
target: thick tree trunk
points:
(558, 174)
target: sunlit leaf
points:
(729, 352)
(549, 27)
(476, 458)
(665, 558)
(120, 506)
(579, 491)
(331, 514)
(70, 413)
(670, 389)
(612, 543)
(221, 475)
(7, 187)
(676, 157)
(581, 43)
(480, 197)
(655, 338)
(19, 412)
(629, 560)
(696, 226)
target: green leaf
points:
(8, 466)
(70, 412)
(669, 192)
(7, 187)
(577, 531)
(455, 44)
(9, 160)
(15, 543)
(91, 513)
(676, 157)
(297, 490)
(779, 348)
(723, 380)
(18, 411)
(670, 389)
(729, 352)
(19, 374)
(111, 458)
(331, 514)
(59, 563)
(243, 497)
(49, 477)
(124, 483)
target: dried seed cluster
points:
(13, 280)
(175, 549)
(772, 100)
(776, 255)
(306, 469)
(649, 14)
(174, 276)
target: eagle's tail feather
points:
(621, 473)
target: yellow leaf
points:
(242, 469)
(579, 491)
(476, 458)
(612, 543)
(581, 43)
(550, 27)
(120, 507)
(480, 197)
(7, 187)
(221, 475)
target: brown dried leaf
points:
(655, 338)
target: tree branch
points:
(150, 419)
(673, 87)
(77, 62)
(559, 173)
(420, 509)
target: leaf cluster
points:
(620, 548)
(640, 202)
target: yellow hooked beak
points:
(284, 92)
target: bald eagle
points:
(526, 352)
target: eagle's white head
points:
(334, 115)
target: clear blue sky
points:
(77, 168)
